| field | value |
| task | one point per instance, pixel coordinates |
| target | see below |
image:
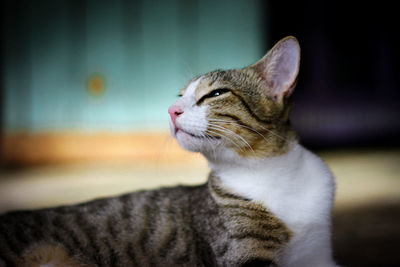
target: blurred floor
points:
(366, 216)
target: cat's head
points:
(242, 111)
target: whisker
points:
(229, 132)
(244, 126)
(252, 129)
(221, 128)
(272, 132)
(209, 140)
(226, 131)
(226, 137)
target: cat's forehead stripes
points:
(212, 81)
(204, 84)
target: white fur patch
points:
(191, 89)
(298, 188)
(192, 123)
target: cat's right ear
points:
(279, 68)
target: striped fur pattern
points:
(258, 124)
(183, 226)
(266, 203)
(242, 110)
(239, 120)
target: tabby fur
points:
(182, 226)
(267, 200)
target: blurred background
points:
(85, 88)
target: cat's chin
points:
(194, 143)
(189, 142)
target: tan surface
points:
(75, 146)
(362, 177)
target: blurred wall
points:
(116, 65)
(93, 79)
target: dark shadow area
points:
(367, 236)
(347, 97)
(347, 90)
(2, 90)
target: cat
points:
(267, 201)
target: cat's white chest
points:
(298, 188)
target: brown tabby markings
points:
(261, 121)
(187, 226)
(255, 230)
(205, 225)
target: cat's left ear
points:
(279, 68)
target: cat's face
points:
(243, 110)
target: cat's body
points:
(181, 226)
(267, 201)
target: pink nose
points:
(174, 112)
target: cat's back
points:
(128, 230)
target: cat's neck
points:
(297, 187)
(229, 161)
(286, 184)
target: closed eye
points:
(213, 93)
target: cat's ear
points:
(279, 68)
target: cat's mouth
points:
(177, 130)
